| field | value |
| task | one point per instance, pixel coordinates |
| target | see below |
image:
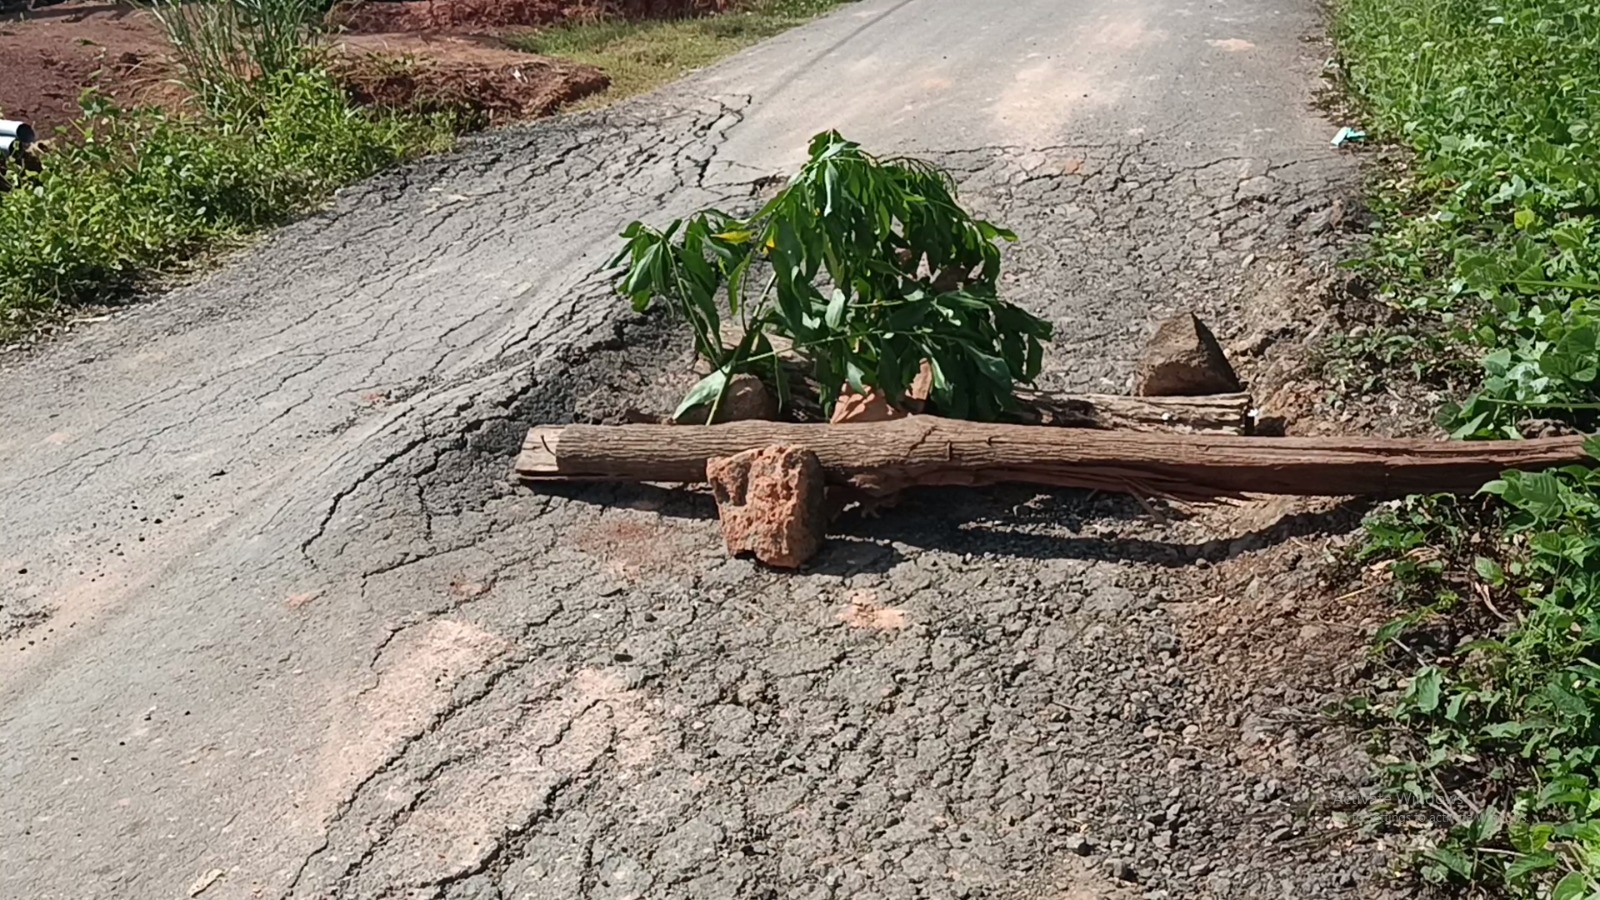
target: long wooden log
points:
(886, 456)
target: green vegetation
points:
(224, 46)
(139, 193)
(135, 194)
(869, 267)
(640, 55)
(1490, 250)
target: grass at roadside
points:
(1490, 242)
(135, 194)
(641, 55)
(142, 192)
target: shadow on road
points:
(1010, 522)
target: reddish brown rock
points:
(1185, 360)
(771, 502)
(854, 408)
(858, 409)
(747, 400)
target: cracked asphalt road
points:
(276, 625)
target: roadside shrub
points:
(140, 192)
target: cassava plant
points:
(868, 266)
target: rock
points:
(873, 406)
(1077, 843)
(771, 502)
(1324, 220)
(1185, 360)
(747, 400)
(1119, 869)
(858, 409)
(1252, 345)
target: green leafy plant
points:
(868, 266)
(1490, 237)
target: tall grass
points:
(224, 46)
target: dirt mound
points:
(368, 17)
(438, 74)
(50, 56)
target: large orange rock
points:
(1184, 359)
(771, 502)
(873, 406)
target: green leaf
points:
(1502, 730)
(1526, 865)
(836, 306)
(1393, 629)
(1454, 860)
(890, 378)
(854, 376)
(705, 391)
(1486, 826)
(1572, 887)
(1489, 570)
(992, 367)
(1425, 688)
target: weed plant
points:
(1492, 235)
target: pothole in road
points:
(982, 694)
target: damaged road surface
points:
(277, 625)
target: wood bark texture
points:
(883, 457)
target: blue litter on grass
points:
(1348, 134)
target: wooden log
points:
(1216, 414)
(883, 457)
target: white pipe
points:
(22, 131)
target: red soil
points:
(436, 73)
(481, 16)
(50, 56)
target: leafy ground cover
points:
(142, 191)
(1489, 252)
(130, 195)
